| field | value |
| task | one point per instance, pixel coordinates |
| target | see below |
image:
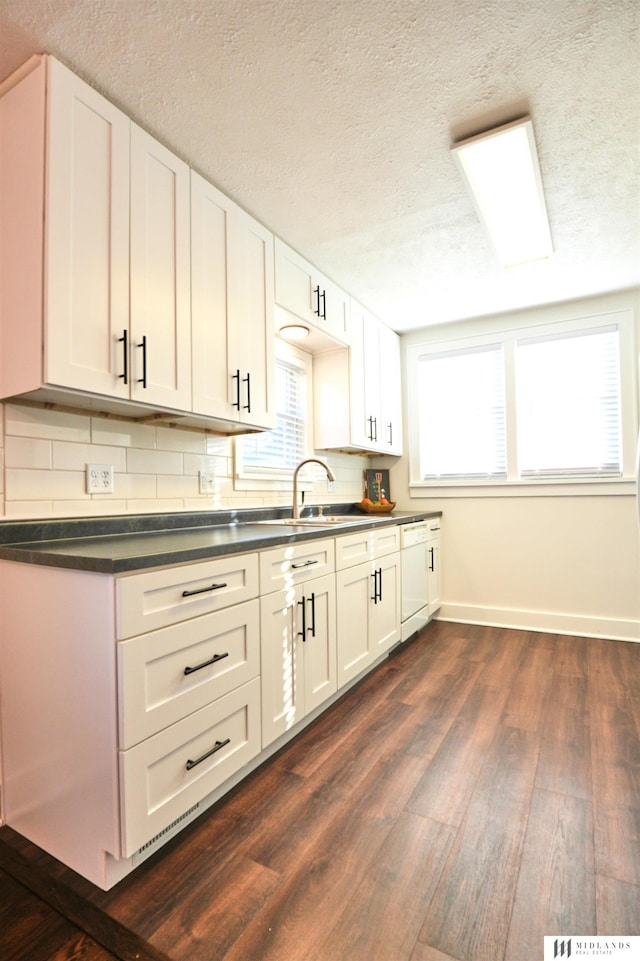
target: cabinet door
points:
(319, 641)
(251, 339)
(210, 215)
(354, 593)
(306, 293)
(434, 575)
(87, 237)
(160, 328)
(385, 610)
(390, 432)
(281, 665)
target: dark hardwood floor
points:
(477, 791)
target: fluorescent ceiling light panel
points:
(502, 171)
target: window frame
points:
(513, 484)
(255, 479)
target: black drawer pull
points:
(295, 567)
(212, 660)
(203, 590)
(216, 747)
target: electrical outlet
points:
(207, 482)
(99, 478)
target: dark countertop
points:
(115, 545)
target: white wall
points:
(567, 564)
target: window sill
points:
(543, 488)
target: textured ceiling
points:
(331, 122)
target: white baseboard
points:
(551, 623)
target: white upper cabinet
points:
(309, 296)
(97, 214)
(160, 321)
(357, 397)
(232, 310)
(86, 305)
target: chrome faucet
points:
(309, 460)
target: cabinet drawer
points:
(284, 566)
(145, 602)
(167, 774)
(363, 546)
(167, 674)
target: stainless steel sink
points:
(323, 520)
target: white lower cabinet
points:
(132, 702)
(297, 633)
(434, 574)
(298, 644)
(367, 601)
(165, 775)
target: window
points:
(273, 454)
(458, 438)
(568, 405)
(552, 403)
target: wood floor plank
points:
(529, 690)
(471, 910)
(384, 915)
(571, 656)
(564, 764)
(30, 930)
(424, 952)
(556, 884)
(617, 907)
(209, 921)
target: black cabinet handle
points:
(143, 346)
(212, 660)
(312, 600)
(203, 590)
(236, 377)
(316, 294)
(303, 564)
(377, 585)
(303, 632)
(247, 380)
(216, 747)
(124, 340)
(323, 313)
(431, 567)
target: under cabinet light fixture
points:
(294, 332)
(503, 174)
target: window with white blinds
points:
(276, 453)
(568, 405)
(462, 414)
(553, 403)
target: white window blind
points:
(568, 405)
(462, 414)
(281, 449)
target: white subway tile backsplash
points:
(43, 455)
(44, 484)
(188, 441)
(54, 424)
(122, 433)
(172, 486)
(131, 486)
(28, 452)
(154, 462)
(76, 456)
